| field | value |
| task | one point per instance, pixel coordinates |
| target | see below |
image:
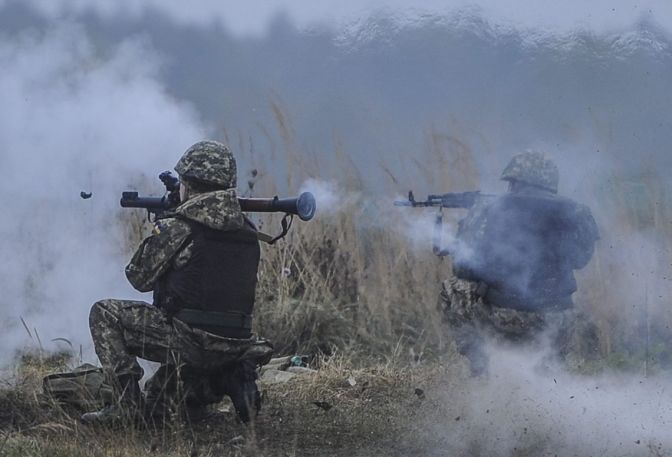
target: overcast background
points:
(252, 17)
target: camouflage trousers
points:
(471, 320)
(124, 330)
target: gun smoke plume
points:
(374, 211)
(332, 199)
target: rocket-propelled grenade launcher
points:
(303, 206)
(463, 200)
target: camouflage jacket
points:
(526, 244)
(166, 247)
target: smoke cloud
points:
(530, 407)
(74, 120)
(330, 197)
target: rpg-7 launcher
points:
(303, 206)
(451, 200)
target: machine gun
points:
(463, 200)
(450, 200)
(303, 206)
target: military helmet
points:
(533, 168)
(208, 162)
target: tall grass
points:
(351, 278)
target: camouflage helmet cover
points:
(208, 162)
(533, 168)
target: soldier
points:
(514, 261)
(201, 264)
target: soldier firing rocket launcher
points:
(303, 206)
(463, 200)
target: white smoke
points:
(530, 407)
(331, 199)
(74, 120)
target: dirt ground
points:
(337, 411)
(382, 409)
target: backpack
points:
(85, 387)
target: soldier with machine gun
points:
(513, 261)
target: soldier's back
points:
(527, 244)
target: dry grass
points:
(348, 280)
(349, 288)
(365, 411)
(351, 279)
(329, 285)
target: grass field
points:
(357, 289)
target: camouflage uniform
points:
(123, 330)
(471, 319)
(527, 254)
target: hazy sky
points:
(252, 16)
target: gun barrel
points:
(463, 200)
(418, 204)
(303, 206)
(132, 200)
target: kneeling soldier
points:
(514, 272)
(201, 263)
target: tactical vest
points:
(215, 290)
(524, 251)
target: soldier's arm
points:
(153, 257)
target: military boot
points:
(161, 394)
(128, 408)
(241, 386)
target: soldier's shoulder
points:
(583, 210)
(582, 217)
(580, 211)
(171, 226)
(481, 211)
(585, 217)
(571, 206)
(483, 203)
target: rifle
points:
(463, 200)
(303, 206)
(451, 200)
